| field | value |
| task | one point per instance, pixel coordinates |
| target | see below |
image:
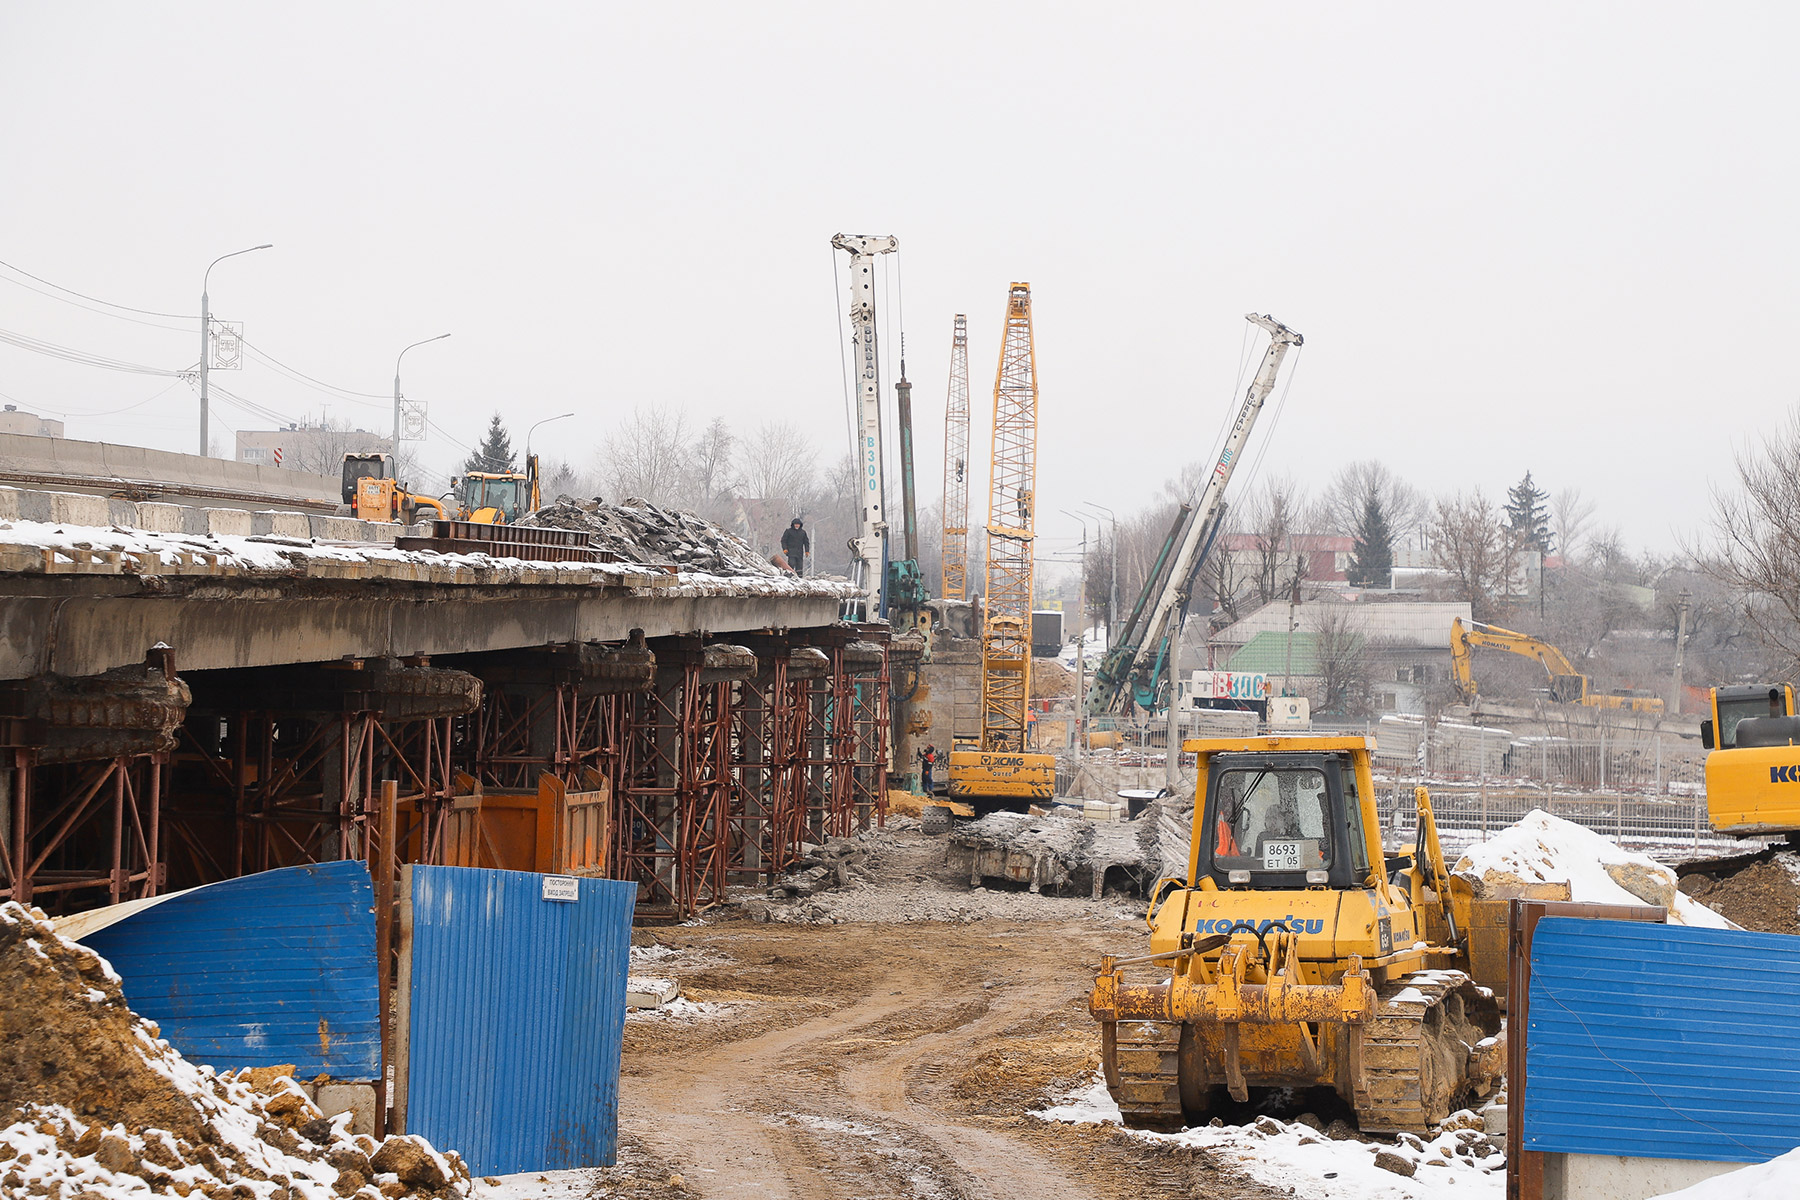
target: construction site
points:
(1133, 774)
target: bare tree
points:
(1272, 518)
(1341, 648)
(710, 466)
(320, 447)
(1480, 555)
(1756, 539)
(1570, 513)
(1347, 496)
(778, 462)
(646, 456)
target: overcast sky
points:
(1550, 237)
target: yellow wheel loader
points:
(1296, 955)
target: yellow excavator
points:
(1296, 955)
(1567, 686)
(1753, 770)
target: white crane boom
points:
(869, 547)
(1174, 591)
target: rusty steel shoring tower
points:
(1012, 488)
(955, 585)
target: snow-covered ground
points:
(1291, 1155)
(1777, 1179)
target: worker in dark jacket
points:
(795, 542)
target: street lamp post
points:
(1112, 595)
(1081, 643)
(206, 332)
(533, 430)
(440, 337)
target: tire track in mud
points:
(877, 1098)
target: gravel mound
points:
(94, 1104)
(640, 532)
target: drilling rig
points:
(955, 585)
(1138, 669)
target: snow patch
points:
(1541, 848)
(1777, 1179)
(1282, 1154)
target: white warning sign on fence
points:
(564, 888)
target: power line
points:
(90, 308)
(69, 354)
(71, 291)
(304, 377)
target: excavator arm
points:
(1555, 663)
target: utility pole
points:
(1681, 629)
(206, 335)
(1081, 644)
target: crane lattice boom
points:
(955, 584)
(1006, 625)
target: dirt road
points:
(876, 1061)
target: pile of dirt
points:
(94, 1103)
(640, 532)
(1050, 679)
(1764, 896)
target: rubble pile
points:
(94, 1104)
(640, 532)
(1058, 854)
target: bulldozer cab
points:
(1284, 821)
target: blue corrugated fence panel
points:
(277, 967)
(1661, 1041)
(517, 1018)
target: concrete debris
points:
(640, 532)
(94, 1103)
(649, 991)
(1543, 857)
(1056, 853)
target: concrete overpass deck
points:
(177, 708)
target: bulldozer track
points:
(1142, 1060)
(1411, 1059)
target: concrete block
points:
(160, 518)
(9, 504)
(232, 522)
(34, 505)
(69, 508)
(378, 531)
(336, 529)
(122, 513)
(193, 520)
(281, 524)
(357, 1099)
(645, 992)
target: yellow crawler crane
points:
(1003, 771)
(1296, 955)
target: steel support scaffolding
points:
(98, 827)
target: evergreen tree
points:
(1372, 550)
(495, 454)
(1528, 515)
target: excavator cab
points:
(1753, 770)
(358, 467)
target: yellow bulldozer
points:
(497, 497)
(373, 494)
(1295, 954)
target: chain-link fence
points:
(1643, 789)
